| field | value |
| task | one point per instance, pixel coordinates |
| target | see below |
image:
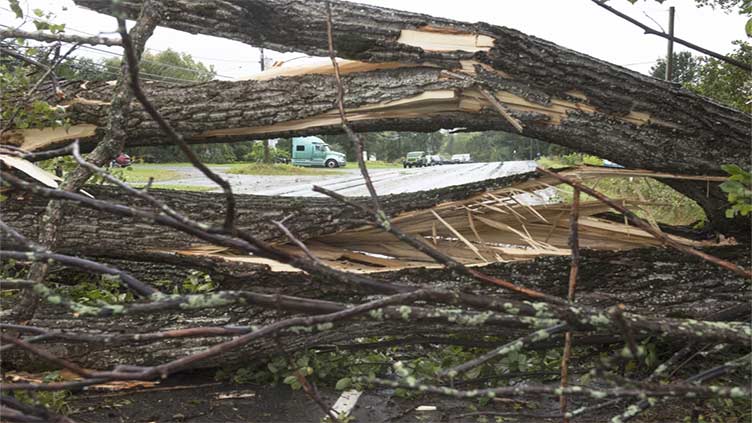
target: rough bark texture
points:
(111, 144)
(91, 232)
(533, 68)
(559, 95)
(652, 282)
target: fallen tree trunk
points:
(475, 223)
(91, 232)
(557, 95)
(653, 282)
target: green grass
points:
(666, 205)
(574, 159)
(378, 164)
(278, 170)
(176, 187)
(142, 172)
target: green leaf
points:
(303, 361)
(41, 25)
(732, 169)
(289, 380)
(748, 27)
(473, 374)
(16, 8)
(732, 187)
(343, 384)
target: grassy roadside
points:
(177, 187)
(661, 202)
(142, 172)
(378, 164)
(279, 170)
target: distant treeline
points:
(387, 146)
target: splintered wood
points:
(518, 222)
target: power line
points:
(153, 61)
(143, 60)
(640, 63)
(107, 69)
(197, 57)
(160, 78)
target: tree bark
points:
(537, 70)
(112, 142)
(648, 281)
(558, 95)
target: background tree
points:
(713, 78)
(726, 83)
(169, 65)
(686, 70)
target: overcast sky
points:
(576, 24)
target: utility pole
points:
(267, 159)
(670, 56)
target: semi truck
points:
(313, 151)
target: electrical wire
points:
(108, 69)
(143, 60)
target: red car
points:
(122, 160)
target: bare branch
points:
(176, 138)
(66, 38)
(648, 227)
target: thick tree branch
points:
(66, 38)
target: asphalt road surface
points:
(349, 182)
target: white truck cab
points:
(313, 151)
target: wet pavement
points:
(198, 398)
(349, 182)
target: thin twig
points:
(29, 60)
(309, 389)
(437, 255)
(41, 352)
(167, 128)
(357, 140)
(502, 110)
(647, 227)
(49, 72)
(628, 333)
(505, 349)
(574, 243)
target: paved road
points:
(350, 183)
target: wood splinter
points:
(502, 110)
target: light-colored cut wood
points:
(431, 39)
(38, 139)
(30, 169)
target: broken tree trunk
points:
(100, 234)
(557, 95)
(653, 282)
(474, 223)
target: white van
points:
(461, 158)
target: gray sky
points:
(576, 24)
